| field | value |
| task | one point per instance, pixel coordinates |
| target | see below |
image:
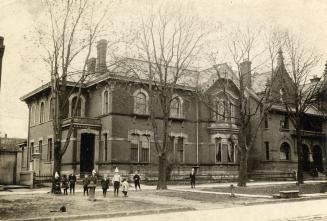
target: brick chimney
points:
(102, 53)
(245, 69)
(2, 50)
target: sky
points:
(22, 70)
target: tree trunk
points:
(242, 172)
(162, 181)
(299, 157)
(57, 162)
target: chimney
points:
(2, 50)
(245, 69)
(5, 135)
(280, 58)
(91, 63)
(102, 53)
(315, 79)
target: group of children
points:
(66, 182)
(117, 182)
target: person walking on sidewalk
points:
(85, 185)
(192, 176)
(136, 179)
(72, 181)
(125, 187)
(116, 179)
(105, 185)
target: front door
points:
(87, 153)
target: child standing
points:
(125, 187)
(85, 185)
(65, 184)
(105, 185)
(116, 182)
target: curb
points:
(107, 215)
(286, 200)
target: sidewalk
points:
(79, 188)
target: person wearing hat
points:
(93, 178)
(116, 179)
(192, 176)
(105, 185)
(65, 184)
(56, 189)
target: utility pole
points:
(2, 50)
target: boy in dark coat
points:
(72, 181)
(65, 184)
(192, 176)
(105, 185)
(85, 185)
(136, 179)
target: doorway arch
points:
(305, 158)
(317, 158)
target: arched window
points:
(176, 107)
(105, 101)
(32, 115)
(78, 108)
(218, 150)
(230, 153)
(140, 103)
(285, 151)
(51, 110)
(42, 112)
(220, 110)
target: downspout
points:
(197, 130)
(28, 138)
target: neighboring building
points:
(112, 128)
(13, 152)
(277, 150)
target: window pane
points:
(140, 103)
(175, 108)
(218, 151)
(134, 148)
(230, 153)
(145, 155)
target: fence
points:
(39, 180)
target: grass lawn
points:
(40, 205)
(269, 189)
(210, 198)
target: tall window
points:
(144, 144)
(267, 150)
(106, 102)
(134, 148)
(230, 153)
(105, 137)
(176, 108)
(232, 112)
(33, 113)
(285, 151)
(180, 150)
(284, 124)
(140, 103)
(42, 112)
(31, 150)
(78, 108)
(218, 151)
(266, 121)
(40, 148)
(49, 155)
(51, 106)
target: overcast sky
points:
(21, 74)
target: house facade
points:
(112, 128)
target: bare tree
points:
(167, 44)
(297, 94)
(68, 40)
